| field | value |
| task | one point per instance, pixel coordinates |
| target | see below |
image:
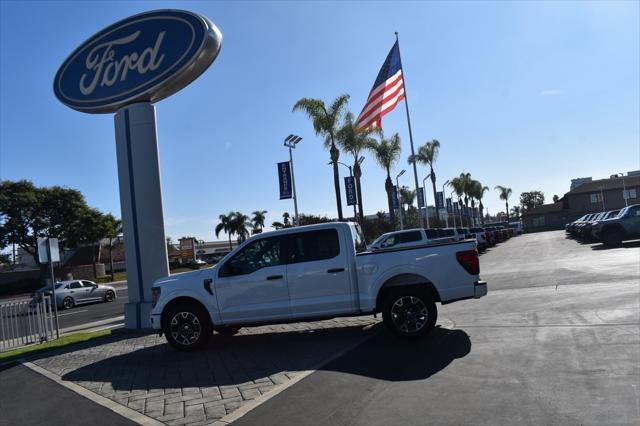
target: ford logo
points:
(144, 58)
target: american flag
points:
(387, 91)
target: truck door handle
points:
(334, 270)
(274, 277)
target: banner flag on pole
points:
(439, 200)
(284, 176)
(449, 206)
(350, 189)
(456, 209)
(420, 196)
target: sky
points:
(521, 94)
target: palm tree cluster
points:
(335, 124)
(237, 223)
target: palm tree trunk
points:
(481, 208)
(111, 258)
(507, 203)
(388, 186)
(435, 196)
(230, 241)
(335, 155)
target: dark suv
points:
(625, 226)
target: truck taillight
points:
(469, 261)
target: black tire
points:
(612, 237)
(409, 312)
(109, 296)
(68, 302)
(187, 326)
(228, 331)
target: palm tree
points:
(354, 140)
(225, 225)
(325, 123)
(406, 197)
(239, 224)
(505, 193)
(427, 155)
(258, 220)
(114, 229)
(480, 194)
(467, 187)
(515, 210)
(277, 225)
(387, 152)
(285, 218)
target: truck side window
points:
(389, 242)
(256, 255)
(314, 245)
(410, 237)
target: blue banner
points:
(456, 209)
(449, 206)
(394, 194)
(284, 176)
(350, 189)
(420, 197)
(439, 200)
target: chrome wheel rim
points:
(185, 328)
(409, 314)
(68, 303)
(109, 296)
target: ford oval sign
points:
(144, 58)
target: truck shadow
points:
(626, 244)
(240, 359)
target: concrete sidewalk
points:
(213, 386)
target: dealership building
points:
(586, 196)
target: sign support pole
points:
(53, 288)
(293, 186)
(142, 210)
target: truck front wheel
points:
(187, 326)
(409, 312)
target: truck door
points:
(252, 285)
(318, 274)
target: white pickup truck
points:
(310, 273)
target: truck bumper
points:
(479, 289)
(155, 322)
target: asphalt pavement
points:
(49, 403)
(556, 341)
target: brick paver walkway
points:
(145, 374)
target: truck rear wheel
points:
(187, 326)
(409, 312)
(612, 237)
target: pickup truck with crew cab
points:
(315, 272)
(624, 226)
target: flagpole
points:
(406, 104)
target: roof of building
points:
(605, 184)
(544, 209)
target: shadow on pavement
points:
(234, 360)
(629, 244)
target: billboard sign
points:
(143, 58)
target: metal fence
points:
(25, 321)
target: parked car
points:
(480, 235)
(453, 233)
(625, 226)
(75, 292)
(584, 229)
(407, 238)
(517, 227)
(315, 272)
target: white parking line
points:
(74, 312)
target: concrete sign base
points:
(141, 204)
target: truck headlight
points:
(155, 296)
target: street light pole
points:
(624, 191)
(443, 200)
(426, 204)
(290, 142)
(454, 215)
(399, 200)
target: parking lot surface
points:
(556, 341)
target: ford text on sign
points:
(284, 177)
(350, 186)
(144, 58)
